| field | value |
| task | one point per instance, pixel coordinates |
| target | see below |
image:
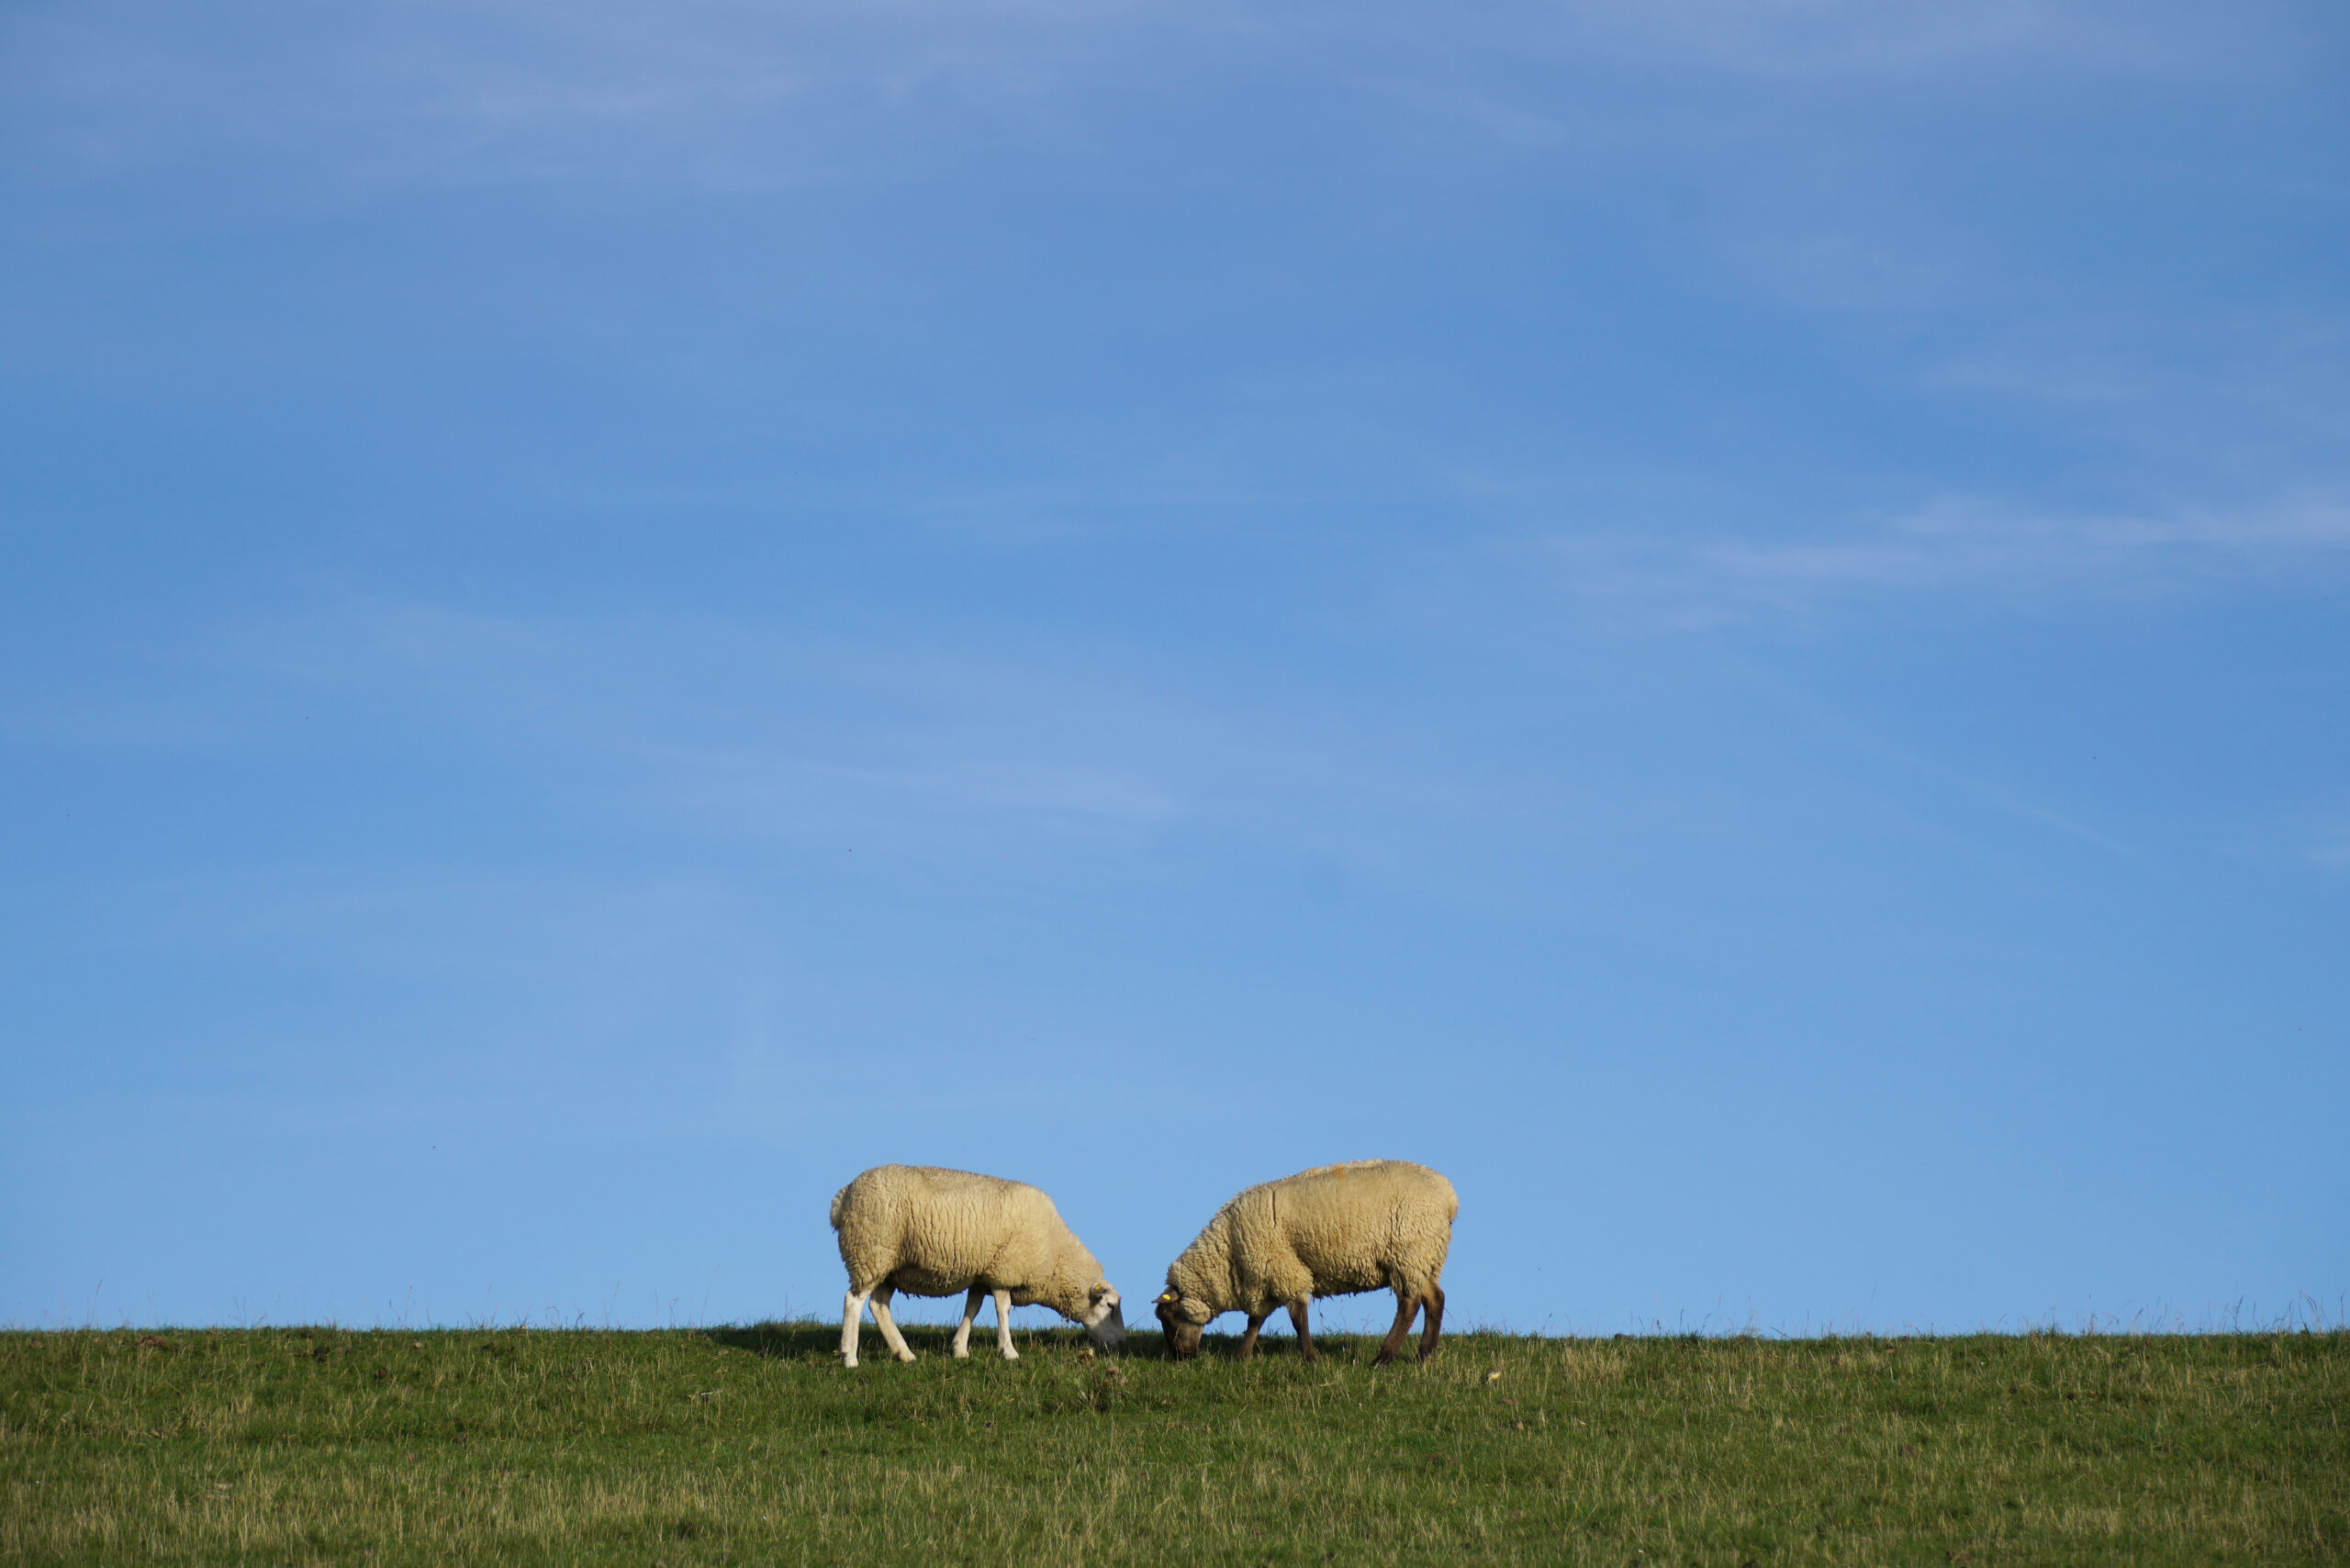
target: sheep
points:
(931, 1232)
(1334, 1230)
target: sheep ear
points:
(1167, 1298)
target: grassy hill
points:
(753, 1445)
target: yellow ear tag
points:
(1168, 1296)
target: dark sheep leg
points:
(1406, 1304)
(1297, 1310)
(1248, 1340)
(1436, 1321)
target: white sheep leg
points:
(881, 1294)
(1003, 1325)
(852, 1318)
(963, 1330)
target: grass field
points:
(755, 1446)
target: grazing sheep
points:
(929, 1232)
(1365, 1226)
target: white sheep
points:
(1336, 1230)
(931, 1232)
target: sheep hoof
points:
(1012, 1355)
(905, 1355)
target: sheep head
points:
(1182, 1319)
(1104, 1320)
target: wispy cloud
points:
(2331, 847)
(1875, 38)
(734, 92)
(1953, 546)
(759, 737)
(2237, 389)
(953, 761)
(518, 91)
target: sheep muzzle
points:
(1183, 1338)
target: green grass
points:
(755, 1446)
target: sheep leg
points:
(852, 1318)
(1406, 1305)
(881, 1294)
(1248, 1340)
(963, 1330)
(1436, 1321)
(1297, 1320)
(1003, 1325)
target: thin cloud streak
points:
(523, 91)
(1953, 546)
(932, 759)
(1870, 39)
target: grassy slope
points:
(754, 1445)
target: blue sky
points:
(1728, 619)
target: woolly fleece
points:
(932, 1232)
(1367, 1224)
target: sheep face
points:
(1104, 1320)
(1177, 1316)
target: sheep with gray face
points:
(929, 1232)
(1335, 1230)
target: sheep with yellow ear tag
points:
(1334, 1230)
